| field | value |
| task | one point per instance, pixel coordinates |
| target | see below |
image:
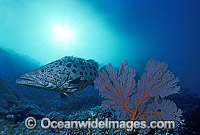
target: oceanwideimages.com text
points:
(46, 123)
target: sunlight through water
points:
(63, 34)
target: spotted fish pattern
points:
(66, 75)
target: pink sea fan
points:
(133, 101)
(116, 87)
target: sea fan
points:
(143, 101)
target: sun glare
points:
(63, 34)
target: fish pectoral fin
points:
(74, 84)
(64, 95)
(92, 84)
(75, 81)
(71, 95)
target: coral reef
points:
(96, 112)
(189, 102)
(85, 98)
(14, 107)
(17, 103)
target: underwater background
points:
(36, 32)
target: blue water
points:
(36, 32)
(107, 31)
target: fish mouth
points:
(29, 81)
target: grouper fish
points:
(65, 76)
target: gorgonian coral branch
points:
(135, 101)
(115, 86)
